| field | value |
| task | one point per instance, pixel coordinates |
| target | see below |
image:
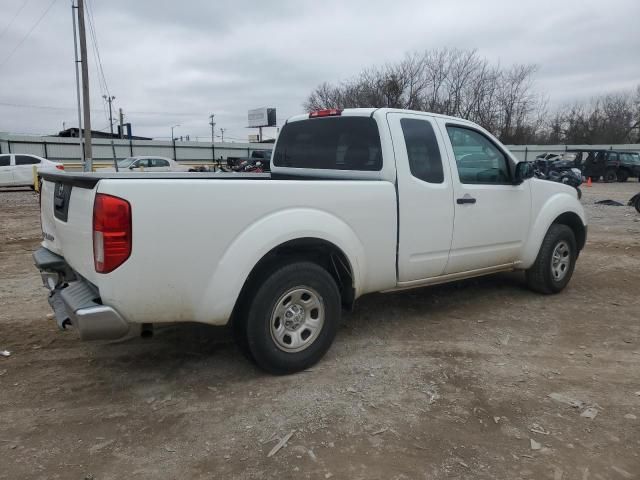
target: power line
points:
(53, 107)
(6, 29)
(28, 33)
(102, 81)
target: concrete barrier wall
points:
(67, 150)
(529, 152)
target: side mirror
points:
(524, 170)
(131, 167)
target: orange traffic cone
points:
(588, 181)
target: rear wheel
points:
(292, 319)
(610, 175)
(556, 260)
(622, 176)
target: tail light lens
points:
(60, 167)
(111, 232)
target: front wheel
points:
(610, 176)
(556, 261)
(292, 318)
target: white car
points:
(147, 163)
(16, 169)
(358, 201)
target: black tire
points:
(637, 203)
(622, 176)
(594, 179)
(610, 175)
(540, 277)
(255, 320)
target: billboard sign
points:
(262, 117)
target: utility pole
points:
(88, 165)
(213, 129)
(173, 141)
(75, 53)
(222, 133)
(121, 115)
(109, 100)
(113, 147)
(213, 125)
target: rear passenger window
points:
(5, 160)
(335, 143)
(422, 150)
(26, 160)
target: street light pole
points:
(173, 140)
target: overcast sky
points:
(171, 62)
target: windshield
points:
(125, 162)
(633, 158)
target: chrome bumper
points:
(75, 301)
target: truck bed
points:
(196, 236)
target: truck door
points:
(425, 196)
(491, 214)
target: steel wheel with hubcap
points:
(297, 319)
(560, 260)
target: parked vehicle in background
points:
(16, 169)
(549, 156)
(261, 156)
(358, 201)
(595, 163)
(561, 171)
(629, 166)
(148, 164)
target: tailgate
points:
(66, 212)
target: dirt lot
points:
(471, 380)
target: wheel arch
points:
(318, 236)
(312, 249)
(574, 222)
(560, 209)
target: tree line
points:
(502, 99)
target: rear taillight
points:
(111, 232)
(60, 167)
(328, 112)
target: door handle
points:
(465, 199)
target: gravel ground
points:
(478, 379)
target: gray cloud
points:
(173, 62)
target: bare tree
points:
(449, 81)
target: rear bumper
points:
(76, 302)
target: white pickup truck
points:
(357, 201)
